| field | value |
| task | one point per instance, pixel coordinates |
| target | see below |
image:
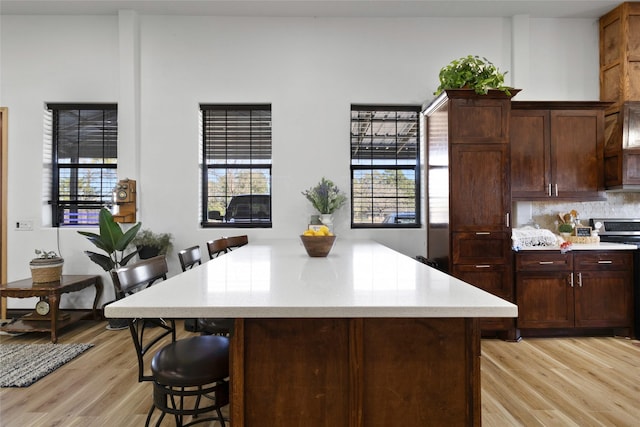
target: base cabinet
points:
(590, 289)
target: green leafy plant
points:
(565, 228)
(42, 254)
(163, 242)
(325, 197)
(471, 72)
(112, 240)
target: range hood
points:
(622, 148)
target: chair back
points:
(135, 277)
(217, 247)
(146, 333)
(237, 241)
(189, 257)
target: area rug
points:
(23, 364)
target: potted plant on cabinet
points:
(152, 244)
(472, 72)
(46, 267)
(114, 242)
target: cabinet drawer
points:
(481, 248)
(603, 261)
(545, 261)
(494, 278)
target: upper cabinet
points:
(557, 150)
(620, 84)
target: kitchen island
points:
(364, 337)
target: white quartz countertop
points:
(602, 246)
(276, 278)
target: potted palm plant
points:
(114, 242)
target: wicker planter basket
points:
(46, 270)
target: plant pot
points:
(146, 252)
(46, 270)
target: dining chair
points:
(181, 370)
(217, 247)
(237, 241)
(189, 257)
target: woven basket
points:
(46, 270)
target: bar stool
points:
(217, 247)
(237, 241)
(182, 370)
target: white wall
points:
(309, 70)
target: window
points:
(236, 173)
(385, 165)
(83, 158)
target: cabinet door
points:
(545, 300)
(577, 150)
(603, 299)
(530, 154)
(603, 291)
(479, 120)
(480, 197)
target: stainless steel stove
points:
(624, 230)
(618, 230)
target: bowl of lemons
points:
(318, 242)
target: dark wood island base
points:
(408, 372)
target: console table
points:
(56, 319)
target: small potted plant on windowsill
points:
(46, 267)
(150, 244)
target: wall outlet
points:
(24, 225)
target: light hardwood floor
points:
(536, 382)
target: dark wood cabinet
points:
(557, 150)
(469, 193)
(575, 290)
(620, 84)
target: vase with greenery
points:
(152, 244)
(325, 197)
(472, 72)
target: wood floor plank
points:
(536, 382)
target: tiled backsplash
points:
(545, 214)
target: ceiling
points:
(318, 8)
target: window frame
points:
(205, 220)
(58, 204)
(373, 166)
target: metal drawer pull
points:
(545, 262)
(483, 266)
(482, 233)
(605, 262)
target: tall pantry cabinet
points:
(469, 192)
